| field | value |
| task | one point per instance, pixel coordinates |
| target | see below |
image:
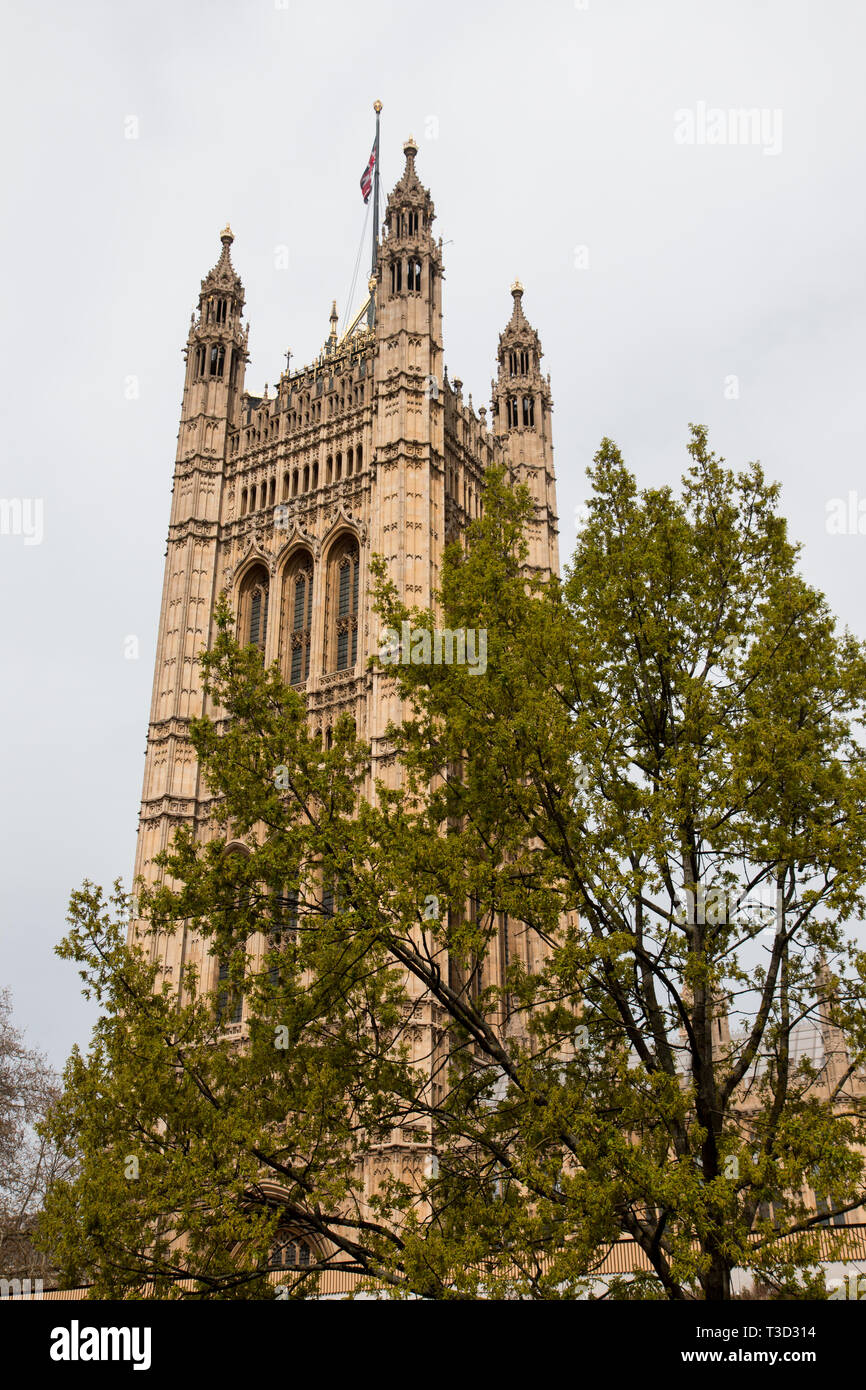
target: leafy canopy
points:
(564, 955)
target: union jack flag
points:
(367, 176)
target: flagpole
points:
(377, 107)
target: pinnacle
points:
(519, 331)
(517, 315)
(224, 275)
(409, 187)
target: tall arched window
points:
(343, 575)
(253, 608)
(229, 991)
(298, 617)
(282, 932)
(229, 1002)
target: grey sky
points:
(655, 271)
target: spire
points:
(522, 408)
(519, 332)
(517, 315)
(224, 278)
(408, 287)
(216, 346)
(409, 196)
(332, 336)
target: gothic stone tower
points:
(280, 500)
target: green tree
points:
(29, 1163)
(656, 741)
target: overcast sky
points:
(576, 146)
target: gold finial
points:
(517, 288)
(410, 148)
(227, 234)
(377, 107)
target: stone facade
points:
(281, 500)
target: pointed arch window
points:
(230, 1001)
(512, 413)
(396, 276)
(253, 615)
(529, 411)
(290, 1252)
(258, 616)
(343, 581)
(299, 617)
(413, 275)
(217, 359)
(230, 964)
(283, 928)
